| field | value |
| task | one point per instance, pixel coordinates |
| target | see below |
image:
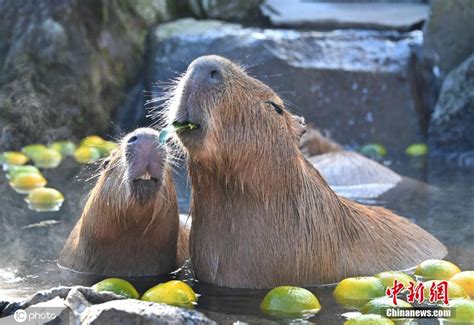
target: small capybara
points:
(313, 143)
(262, 215)
(347, 172)
(130, 223)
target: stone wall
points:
(357, 85)
(65, 64)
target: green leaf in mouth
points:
(185, 125)
(166, 133)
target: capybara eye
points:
(277, 107)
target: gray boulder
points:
(355, 85)
(449, 33)
(65, 64)
(134, 311)
(232, 10)
(451, 131)
(82, 305)
(374, 14)
(354, 176)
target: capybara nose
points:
(140, 139)
(206, 71)
(144, 154)
(132, 139)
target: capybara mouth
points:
(145, 188)
(146, 177)
(185, 126)
(145, 182)
(190, 133)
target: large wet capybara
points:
(262, 214)
(130, 223)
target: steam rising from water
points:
(30, 240)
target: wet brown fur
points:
(117, 235)
(262, 214)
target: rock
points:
(72, 294)
(355, 85)
(449, 34)
(338, 14)
(354, 176)
(359, 178)
(134, 311)
(82, 305)
(451, 131)
(65, 64)
(232, 10)
(39, 297)
(348, 173)
(348, 168)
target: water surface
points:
(30, 242)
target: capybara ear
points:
(299, 125)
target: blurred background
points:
(386, 72)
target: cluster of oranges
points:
(28, 179)
(175, 293)
(369, 294)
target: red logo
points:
(397, 288)
(416, 292)
(439, 291)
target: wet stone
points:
(82, 305)
(342, 81)
(346, 14)
(451, 131)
